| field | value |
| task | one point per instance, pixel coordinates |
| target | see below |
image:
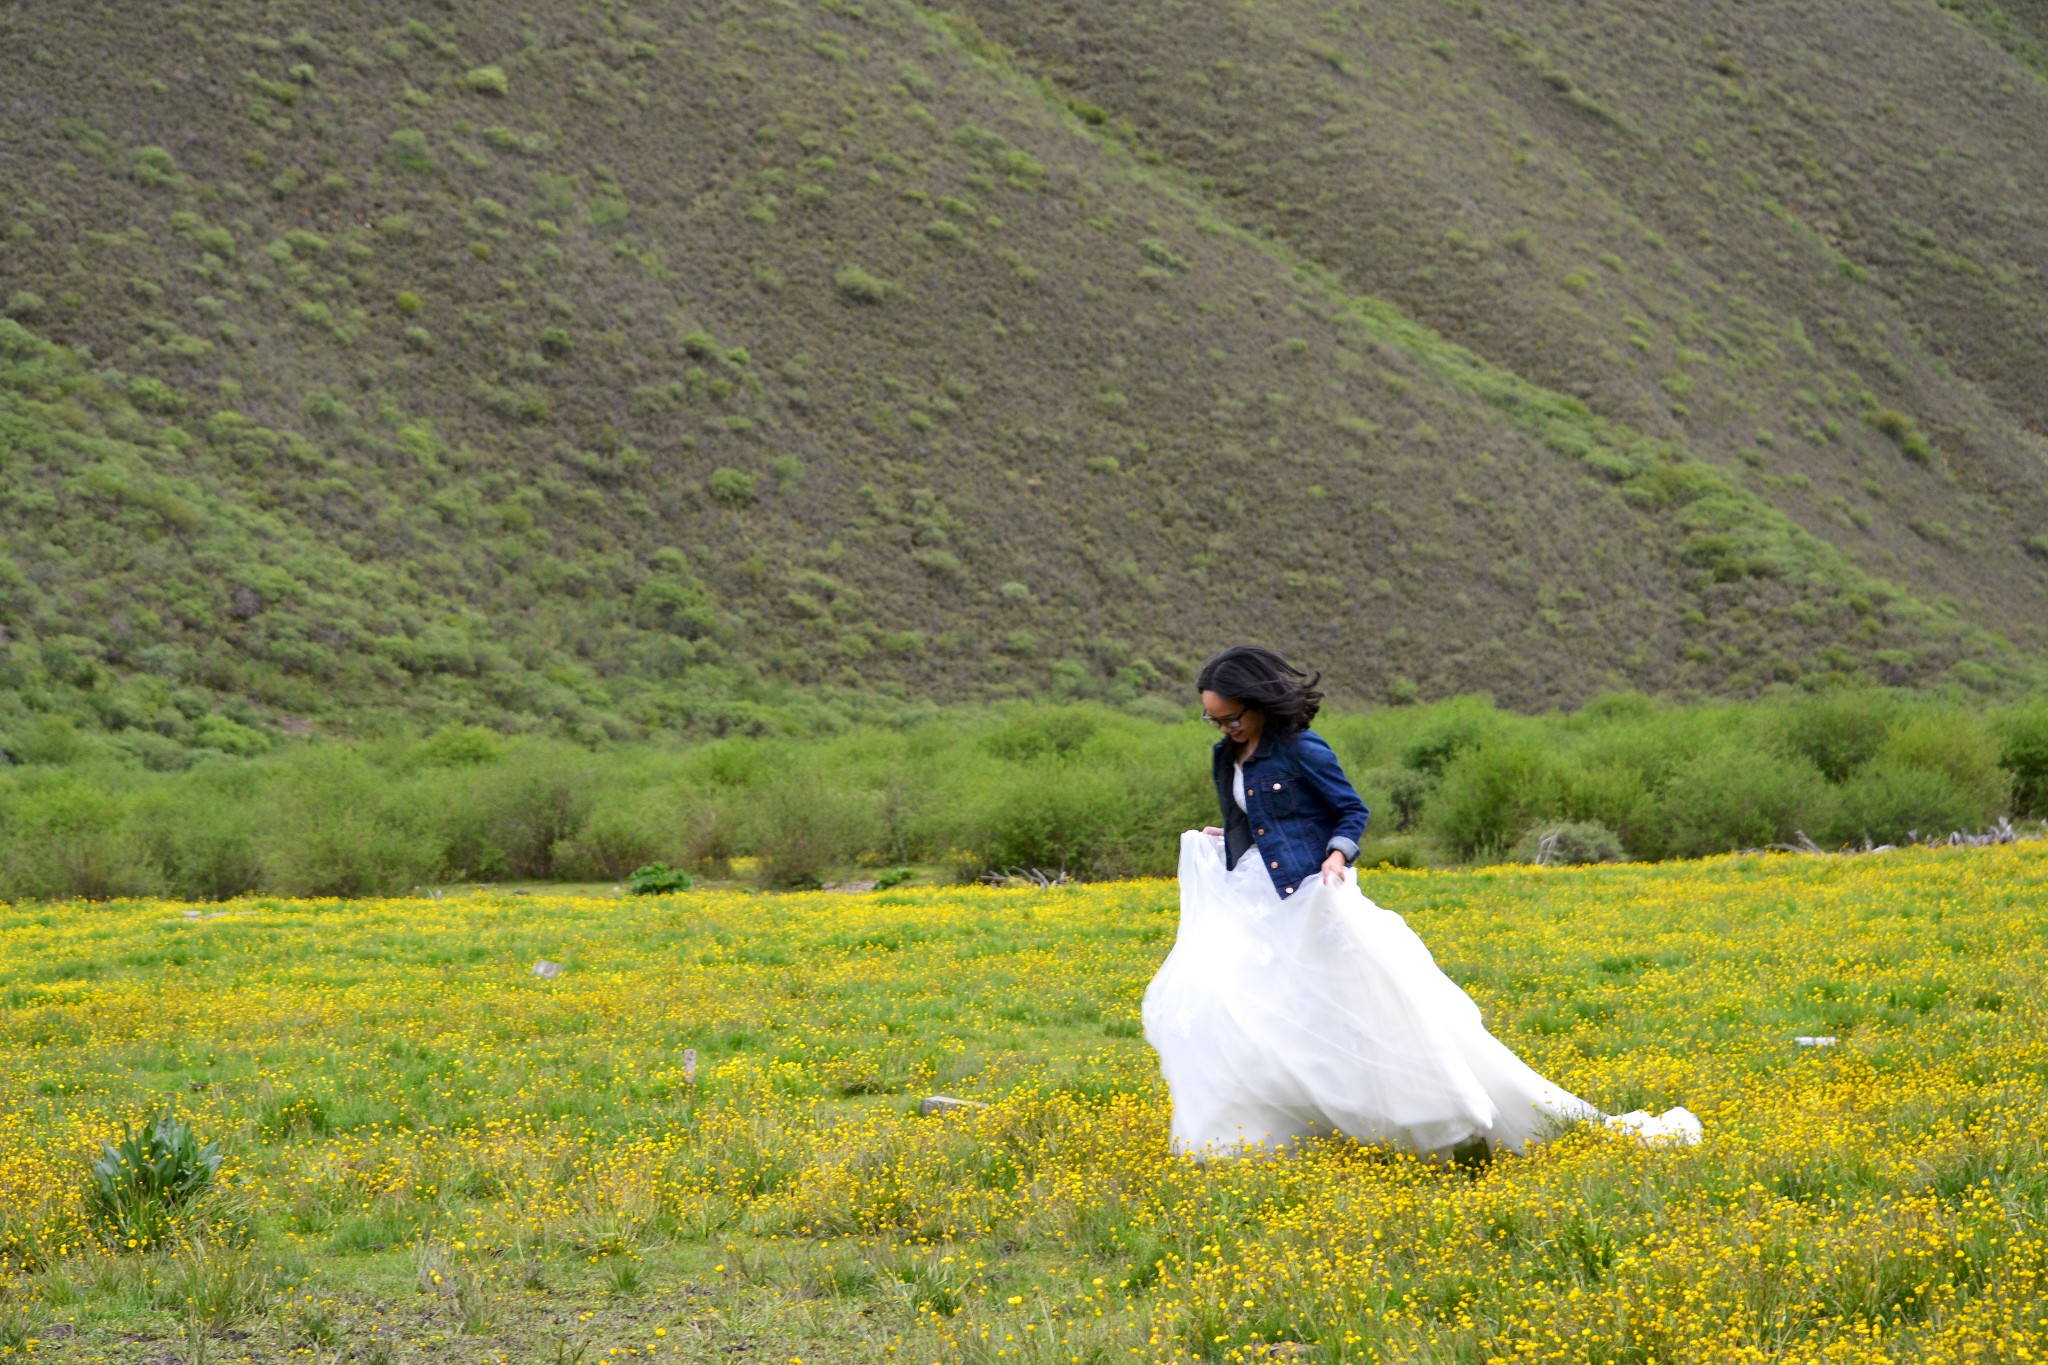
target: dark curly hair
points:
(1267, 683)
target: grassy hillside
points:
(609, 369)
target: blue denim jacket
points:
(1298, 807)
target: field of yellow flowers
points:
(701, 1140)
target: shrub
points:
(154, 166)
(528, 811)
(153, 395)
(1570, 844)
(1491, 794)
(615, 841)
(858, 285)
(732, 487)
(25, 304)
(407, 149)
(1904, 432)
(1888, 802)
(202, 833)
(1453, 728)
(2022, 735)
(803, 828)
(1961, 749)
(1741, 796)
(336, 827)
(1839, 732)
(1617, 797)
(659, 879)
(70, 837)
(461, 746)
(140, 1185)
(486, 80)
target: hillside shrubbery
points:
(1097, 792)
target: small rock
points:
(689, 1066)
(1282, 1350)
(1811, 1040)
(546, 970)
(852, 887)
(946, 1104)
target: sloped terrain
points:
(612, 369)
(1777, 233)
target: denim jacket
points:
(1298, 807)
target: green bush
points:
(486, 80)
(617, 839)
(141, 1185)
(1889, 802)
(805, 829)
(858, 285)
(407, 148)
(2022, 733)
(154, 166)
(1492, 793)
(461, 746)
(204, 832)
(659, 879)
(1450, 730)
(1960, 748)
(1841, 731)
(335, 826)
(1616, 797)
(65, 835)
(732, 487)
(1742, 796)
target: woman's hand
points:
(1213, 831)
(1333, 868)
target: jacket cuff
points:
(1340, 844)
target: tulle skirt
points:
(1322, 1013)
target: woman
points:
(1291, 1004)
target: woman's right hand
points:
(1213, 831)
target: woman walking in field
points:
(1291, 1004)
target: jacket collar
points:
(1225, 745)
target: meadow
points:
(702, 1138)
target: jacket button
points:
(1276, 786)
(1262, 831)
(1276, 862)
(1288, 892)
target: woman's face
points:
(1236, 720)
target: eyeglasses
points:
(1225, 722)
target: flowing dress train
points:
(1275, 1019)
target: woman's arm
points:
(1325, 777)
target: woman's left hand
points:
(1333, 868)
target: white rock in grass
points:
(946, 1104)
(1811, 1040)
(546, 970)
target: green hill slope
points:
(610, 369)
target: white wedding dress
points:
(1322, 1013)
